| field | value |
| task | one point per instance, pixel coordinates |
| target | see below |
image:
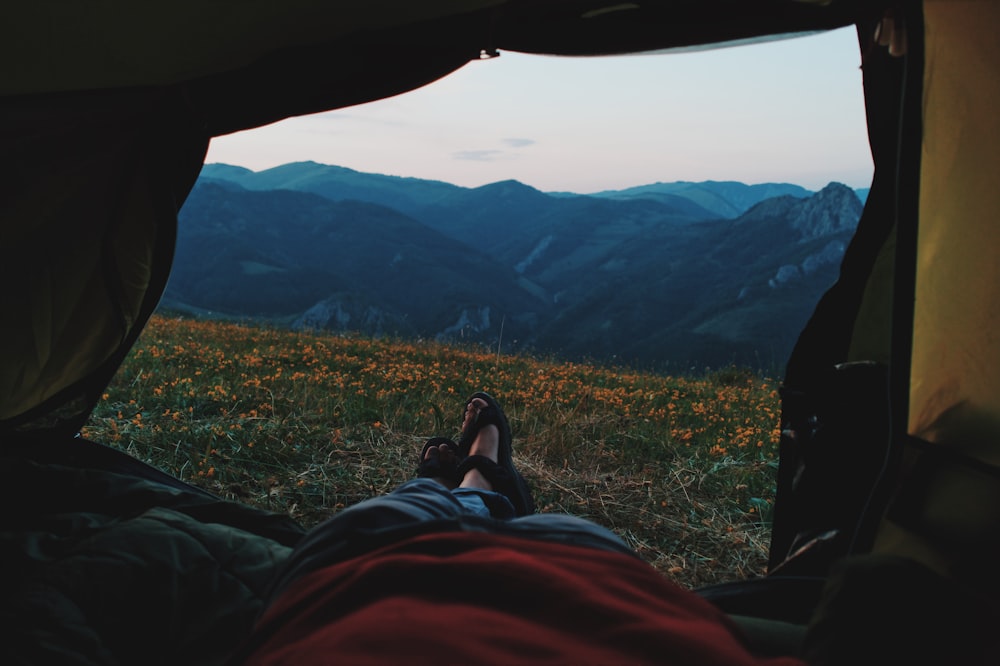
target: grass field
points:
(682, 468)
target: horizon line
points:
(504, 180)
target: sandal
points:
(434, 467)
(502, 475)
(491, 414)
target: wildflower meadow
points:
(307, 423)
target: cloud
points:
(493, 155)
(478, 155)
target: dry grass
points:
(308, 424)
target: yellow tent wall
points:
(957, 319)
(948, 505)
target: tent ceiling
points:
(251, 63)
(52, 45)
(574, 27)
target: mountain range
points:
(666, 276)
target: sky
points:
(788, 111)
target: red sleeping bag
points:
(475, 598)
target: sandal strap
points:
(498, 477)
(505, 480)
(491, 414)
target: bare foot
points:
(447, 457)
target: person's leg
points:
(439, 460)
(425, 505)
(477, 503)
(489, 442)
(487, 465)
(372, 522)
(415, 503)
(475, 491)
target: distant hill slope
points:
(658, 281)
(305, 260)
(337, 184)
(724, 199)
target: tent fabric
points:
(956, 347)
(58, 47)
(947, 510)
(252, 64)
(850, 323)
(837, 377)
(54, 46)
(585, 28)
(89, 205)
(936, 498)
(881, 609)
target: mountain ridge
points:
(657, 282)
(334, 182)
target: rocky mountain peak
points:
(834, 209)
